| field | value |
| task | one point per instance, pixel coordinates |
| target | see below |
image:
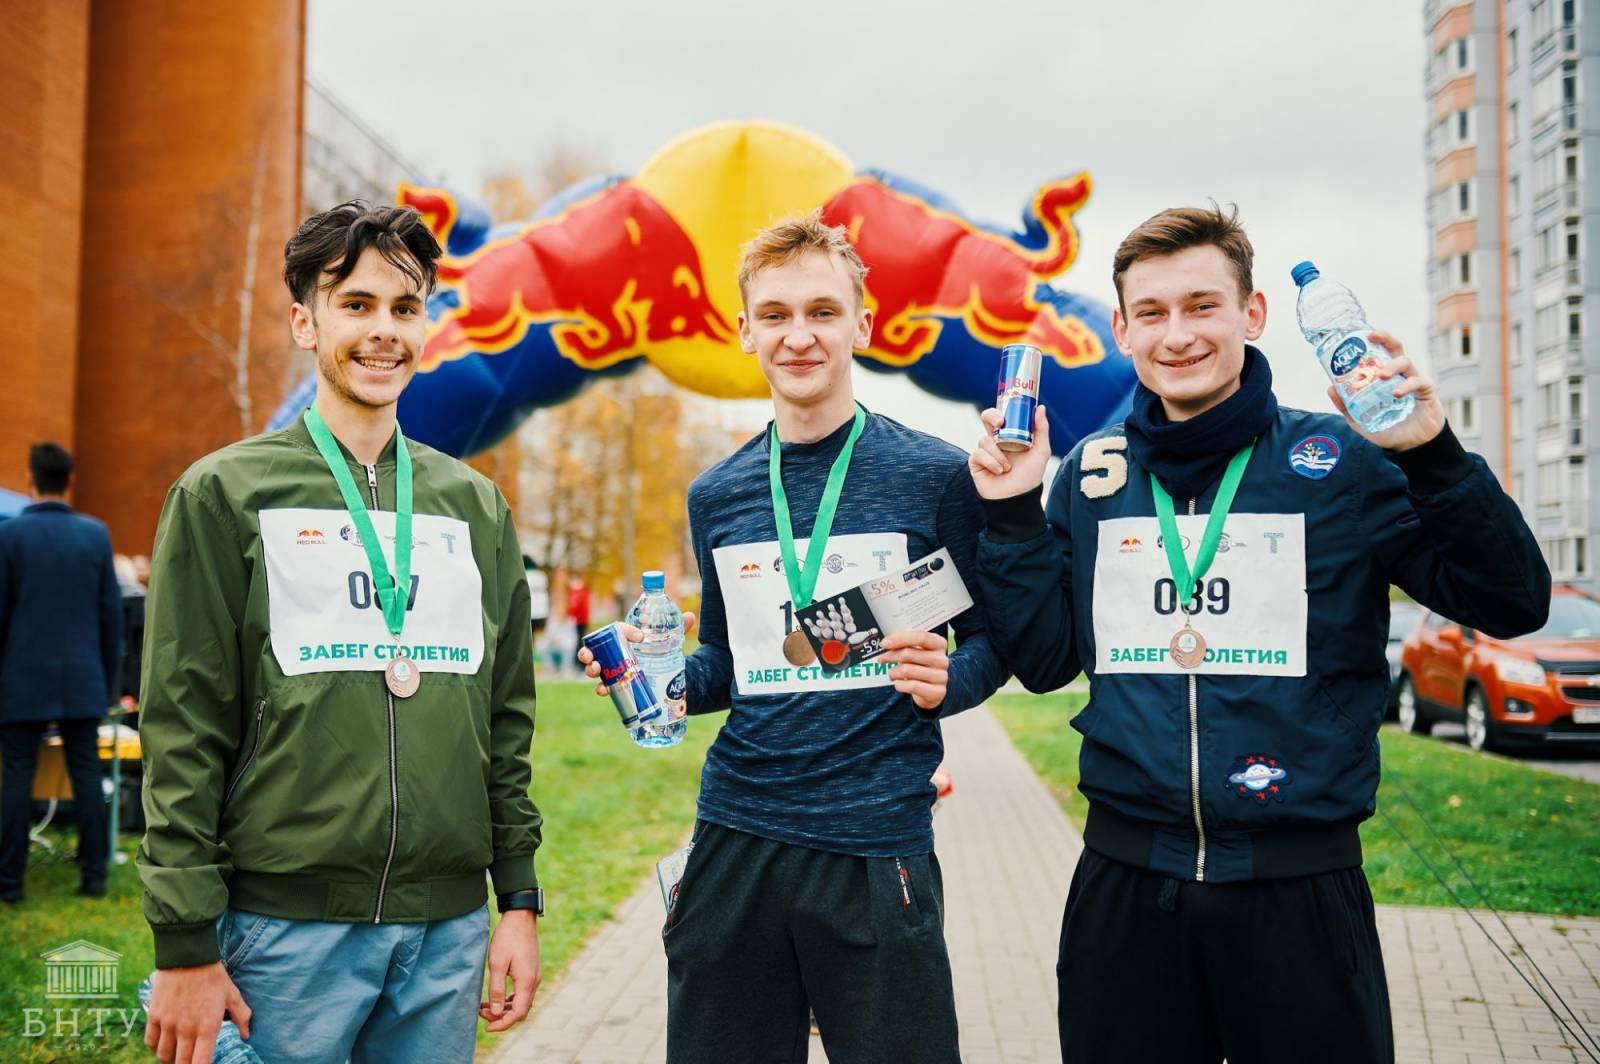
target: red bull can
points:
(630, 689)
(1017, 395)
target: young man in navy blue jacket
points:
(1230, 740)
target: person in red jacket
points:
(578, 610)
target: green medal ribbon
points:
(390, 596)
(802, 582)
(1184, 578)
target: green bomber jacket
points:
(280, 775)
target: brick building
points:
(150, 154)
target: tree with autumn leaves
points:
(604, 484)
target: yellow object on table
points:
(50, 779)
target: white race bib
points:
(755, 596)
(325, 616)
(1251, 606)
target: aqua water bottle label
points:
(677, 689)
(1347, 356)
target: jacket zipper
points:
(261, 708)
(394, 783)
(1194, 763)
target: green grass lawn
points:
(1529, 838)
(611, 811)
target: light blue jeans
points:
(330, 992)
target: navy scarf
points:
(1189, 456)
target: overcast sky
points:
(1308, 115)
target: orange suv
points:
(1537, 689)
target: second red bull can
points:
(630, 688)
(1017, 395)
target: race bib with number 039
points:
(1250, 607)
(325, 615)
(755, 597)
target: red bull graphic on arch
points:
(623, 270)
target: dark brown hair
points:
(1180, 228)
(327, 246)
(51, 467)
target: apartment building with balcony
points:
(1513, 158)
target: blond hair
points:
(783, 242)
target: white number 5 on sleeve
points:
(1103, 466)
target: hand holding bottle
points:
(1424, 423)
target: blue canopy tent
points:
(11, 503)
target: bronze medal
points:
(1188, 648)
(797, 648)
(403, 677)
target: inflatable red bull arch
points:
(619, 271)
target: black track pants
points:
(760, 930)
(1157, 969)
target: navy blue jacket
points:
(1255, 773)
(60, 616)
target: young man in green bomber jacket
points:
(330, 767)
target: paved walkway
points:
(1456, 999)
(1007, 853)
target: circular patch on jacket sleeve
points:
(1314, 457)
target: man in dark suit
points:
(60, 640)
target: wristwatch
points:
(532, 898)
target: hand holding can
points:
(999, 474)
(636, 701)
(1017, 395)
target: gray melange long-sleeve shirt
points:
(836, 763)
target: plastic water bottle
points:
(230, 1047)
(661, 659)
(1333, 321)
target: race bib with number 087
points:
(323, 610)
